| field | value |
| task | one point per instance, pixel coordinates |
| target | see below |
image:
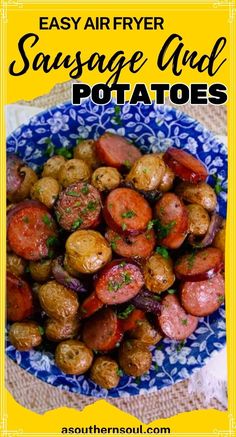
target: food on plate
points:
(109, 252)
(105, 372)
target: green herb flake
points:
(50, 147)
(46, 220)
(126, 312)
(73, 193)
(127, 164)
(63, 151)
(85, 189)
(117, 115)
(119, 372)
(156, 297)
(145, 170)
(58, 216)
(51, 241)
(124, 226)
(138, 380)
(180, 345)
(156, 367)
(171, 291)
(41, 330)
(162, 251)
(220, 299)
(190, 260)
(184, 322)
(128, 214)
(218, 184)
(83, 310)
(77, 223)
(127, 278)
(114, 241)
(68, 209)
(25, 219)
(92, 205)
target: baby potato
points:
(145, 332)
(135, 358)
(46, 190)
(158, 273)
(57, 301)
(201, 193)
(59, 330)
(166, 183)
(41, 271)
(73, 357)
(53, 166)
(69, 268)
(198, 219)
(147, 172)
(86, 151)
(219, 240)
(87, 251)
(25, 335)
(23, 192)
(106, 178)
(105, 372)
(15, 264)
(74, 170)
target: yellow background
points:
(199, 24)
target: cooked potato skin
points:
(30, 178)
(41, 271)
(145, 332)
(147, 172)
(53, 166)
(15, 264)
(46, 190)
(135, 359)
(87, 251)
(201, 193)
(198, 219)
(69, 268)
(58, 302)
(74, 170)
(158, 273)
(104, 372)
(59, 330)
(219, 240)
(106, 178)
(168, 177)
(73, 357)
(25, 335)
(85, 150)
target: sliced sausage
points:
(185, 166)
(19, 299)
(118, 282)
(174, 322)
(90, 305)
(132, 246)
(78, 207)
(133, 319)
(172, 221)
(126, 211)
(199, 265)
(116, 151)
(102, 331)
(204, 297)
(29, 229)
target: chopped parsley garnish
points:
(145, 170)
(156, 367)
(117, 115)
(126, 312)
(50, 147)
(161, 229)
(25, 219)
(138, 380)
(190, 260)
(156, 297)
(41, 330)
(63, 151)
(92, 205)
(46, 220)
(218, 184)
(51, 241)
(122, 264)
(221, 299)
(68, 209)
(127, 164)
(119, 372)
(180, 345)
(184, 322)
(58, 216)
(77, 223)
(124, 226)
(128, 214)
(116, 285)
(114, 241)
(162, 251)
(171, 291)
(73, 193)
(85, 189)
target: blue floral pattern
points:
(152, 128)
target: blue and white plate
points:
(153, 128)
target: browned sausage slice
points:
(118, 282)
(172, 221)
(116, 151)
(19, 299)
(126, 211)
(132, 246)
(185, 166)
(30, 227)
(102, 331)
(79, 207)
(199, 265)
(174, 322)
(203, 297)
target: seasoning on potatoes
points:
(135, 358)
(29, 179)
(59, 330)
(87, 251)
(106, 178)
(147, 172)
(25, 335)
(53, 166)
(105, 372)
(145, 332)
(201, 193)
(86, 151)
(58, 302)
(219, 240)
(74, 170)
(158, 273)
(41, 271)
(73, 357)
(15, 264)
(46, 190)
(198, 219)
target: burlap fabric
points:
(41, 397)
